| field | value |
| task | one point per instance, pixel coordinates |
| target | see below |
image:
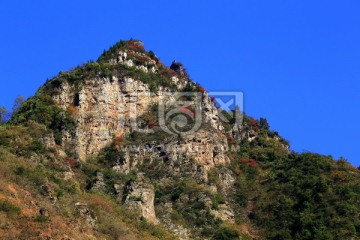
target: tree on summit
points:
(3, 115)
(17, 103)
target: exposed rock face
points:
(205, 149)
(99, 184)
(48, 192)
(106, 107)
(86, 214)
(225, 213)
(139, 196)
(104, 110)
(179, 231)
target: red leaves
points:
(153, 124)
(231, 139)
(253, 122)
(135, 46)
(119, 141)
(167, 72)
(251, 162)
(201, 89)
(150, 120)
(187, 111)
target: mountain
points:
(128, 148)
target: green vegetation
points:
(42, 109)
(306, 194)
(3, 115)
(113, 51)
(41, 218)
(296, 196)
(9, 208)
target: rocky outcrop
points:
(106, 108)
(203, 149)
(99, 184)
(139, 196)
(47, 191)
(224, 212)
(178, 230)
(88, 216)
(178, 68)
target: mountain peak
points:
(128, 146)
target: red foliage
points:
(231, 139)
(167, 72)
(153, 124)
(201, 89)
(135, 46)
(251, 162)
(119, 141)
(253, 122)
(72, 163)
(186, 110)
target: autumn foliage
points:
(119, 141)
(153, 124)
(135, 46)
(231, 139)
(72, 110)
(251, 162)
(253, 122)
(167, 72)
(186, 110)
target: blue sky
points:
(297, 62)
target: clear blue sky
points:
(297, 62)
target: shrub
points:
(41, 218)
(119, 141)
(152, 55)
(3, 114)
(37, 147)
(9, 208)
(20, 171)
(226, 234)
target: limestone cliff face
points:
(204, 148)
(102, 111)
(106, 107)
